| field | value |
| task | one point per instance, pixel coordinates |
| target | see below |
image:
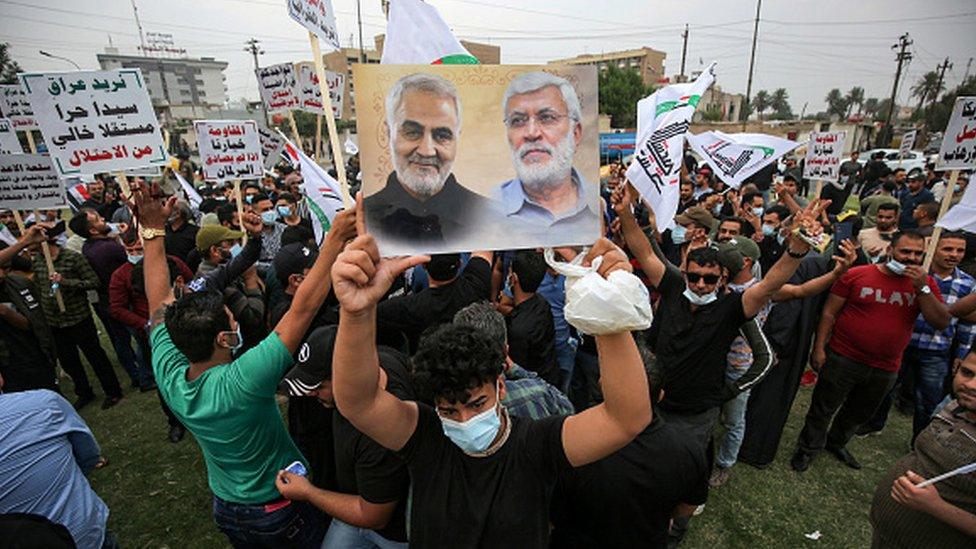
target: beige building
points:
(649, 63)
(728, 104)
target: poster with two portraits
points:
(478, 157)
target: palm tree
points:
(870, 106)
(855, 96)
(780, 104)
(761, 102)
(835, 102)
(927, 86)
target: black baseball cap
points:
(314, 363)
(293, 259)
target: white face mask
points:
(696, 299)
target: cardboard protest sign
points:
(823, 156)
(96, 121)
(28, 181)
(318, 17)
(474, 164)
(278, 87)
(735, 157)
(15, 106)
(663, 119)
(229, 149)
(271, 146)
(958, 149)
(9, 144)
(311, 94)
(907, 142)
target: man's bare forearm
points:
(155, 272)
(348, 508)
(355, 364)
(624, 381)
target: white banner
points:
(962, 216)
(272, 145)
(277, 85)
(316, 16)
(229, 149)
(310, 93)
(96, 121)
(734, 157)
(9, 144)
(823, 156)
(15, 106)
(417, 35)
(663, 119)
(192, 196)
(958, 149)
(28, 181)
(907, 143)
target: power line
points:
(872, 21)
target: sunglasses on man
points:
(708, 278)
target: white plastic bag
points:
(597, 305)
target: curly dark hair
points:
(194, 321)
(452, 360)
(704, 257)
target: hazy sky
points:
(805, 46)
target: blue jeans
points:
(346, 536)
(296, 525)
(926, 372)
(566, 359)
(734, 421)
(121, 339)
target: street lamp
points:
(52, 56)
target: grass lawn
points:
(158, 497)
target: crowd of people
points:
(445, 401)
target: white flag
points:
(962, 216)
(192, 196)
(416, 35)
(662, 122)
(734, 157)
(322, 192)
(351, 147)
(6, 236)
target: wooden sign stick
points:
(943, 208)
(340, 164)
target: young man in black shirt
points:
(369, 503)
(478, 476)
(531, 332)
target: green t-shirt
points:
(870, 207)
(231, 410)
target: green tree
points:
(871, 107)
(855, 97)
(937, 116)
(836, 103)
(761, 102)
(8, 67)
(712, 114)
(780, 103)
(620, 90)
(928, 86)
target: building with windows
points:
(648, 62)
(179, 87)
(720, 105)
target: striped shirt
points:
(959, 332)
(529, 396)
(77, 277)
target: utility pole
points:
(254, 50)
(968, 64)
(752, 63)
(359, 21)
(142, 39)
(684, 51)
(903, 42)
(946, 65)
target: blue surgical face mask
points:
(780, 238)
(240, 339)
(717, 209)
(249, 198)
(475, 435)
(895, 267)
(235, 250)
(678, 234)
(696, 299)
(133, 258)
(284, 211)
(113, 228)
(768, 230)
(269, 217)
(757, 211)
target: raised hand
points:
(846, 257)
(251, 222)
(147, 208)
(345, 223)
(36, 233)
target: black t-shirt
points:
(181, 241)
(691, 348)
(364, 467)
(532, 337)
(626, 499)
(412, 314)
(27, 365)
(497, 501)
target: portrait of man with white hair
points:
(549, 197)
(422, 207)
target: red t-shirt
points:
(876, 323)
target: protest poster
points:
(29, 181)
(433, 186)
(958, 149)
(271, 146)
(310, 94)
(15, 106)
(316, 16)
(277, 85)
(229, 149)
(663, 119)
(9, 144)
(823, 156)
(907, 143)
(735, 157)
(96, 121)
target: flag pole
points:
(37, 218)
(294, 130)
(318, 138)
(240, 205)
(937, 231)
(340, 165)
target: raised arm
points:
(823, 282)
(34, 234)
(360, 280)
(626, 409)
(762, 358)
(637, 242)
(314, 289)
(151, 213)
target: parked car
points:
(913, 162)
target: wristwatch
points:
(925, 290)
(148, 233)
